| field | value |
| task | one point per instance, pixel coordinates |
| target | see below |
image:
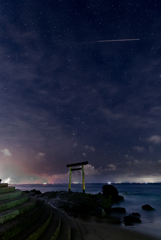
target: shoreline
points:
(94, 228)
(104, 231)
(101, 228)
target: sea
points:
(135, 195)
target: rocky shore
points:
(79, 205)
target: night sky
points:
(67, 97)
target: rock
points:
(147, 207)
(99, 212)
(49, 194)
(103, 213)
(129, 220)
(34, 191)
(110, 190)
(118, 209)
(28, 192)
(134, 218)
(136, 214)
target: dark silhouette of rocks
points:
(75, 203)
(99, 212)
(147, 207)
(131, 219)
(33, 192)
(110, 190)
(118, 209)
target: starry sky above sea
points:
(67, 97)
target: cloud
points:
(139, 149)
(129, 157)
(75, 144)
(151, 149)
(111, 167)
(6, 152)
(84, 154)
(91, 148)
(154, 139)
(40, 155)
(109, 114)
(91, 170)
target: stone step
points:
(82, 230)
(14, 228)
(68, 229)
(52, 231)
(37, 227)
(9, 214)
(10, 195)
(7, 189)
(65, 228)
(7, 204)
(75, 231)
(2, 185)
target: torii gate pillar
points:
(75, 169)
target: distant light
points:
(7, 180)
(44, 183)
(109, 182)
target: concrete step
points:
(75, 231)
(14, 228)
(2, 185)
(53, 228)
(9, 214)
(68, 229)
(82, 230)
(10, 203)
(10, 195)
(65, 228)
(37, 227)
(7, 189)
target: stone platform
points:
(23, 217)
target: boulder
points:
(34, 192)
(118, 209)
(110, 190)
(99, 212)
(129, 220)
(136, 214)
(147, 207)
(134, 218)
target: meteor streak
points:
(118, 40)
(99, 41)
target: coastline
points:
(95, 228)
(106, 231)
(148, 228)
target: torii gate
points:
(75, 169)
